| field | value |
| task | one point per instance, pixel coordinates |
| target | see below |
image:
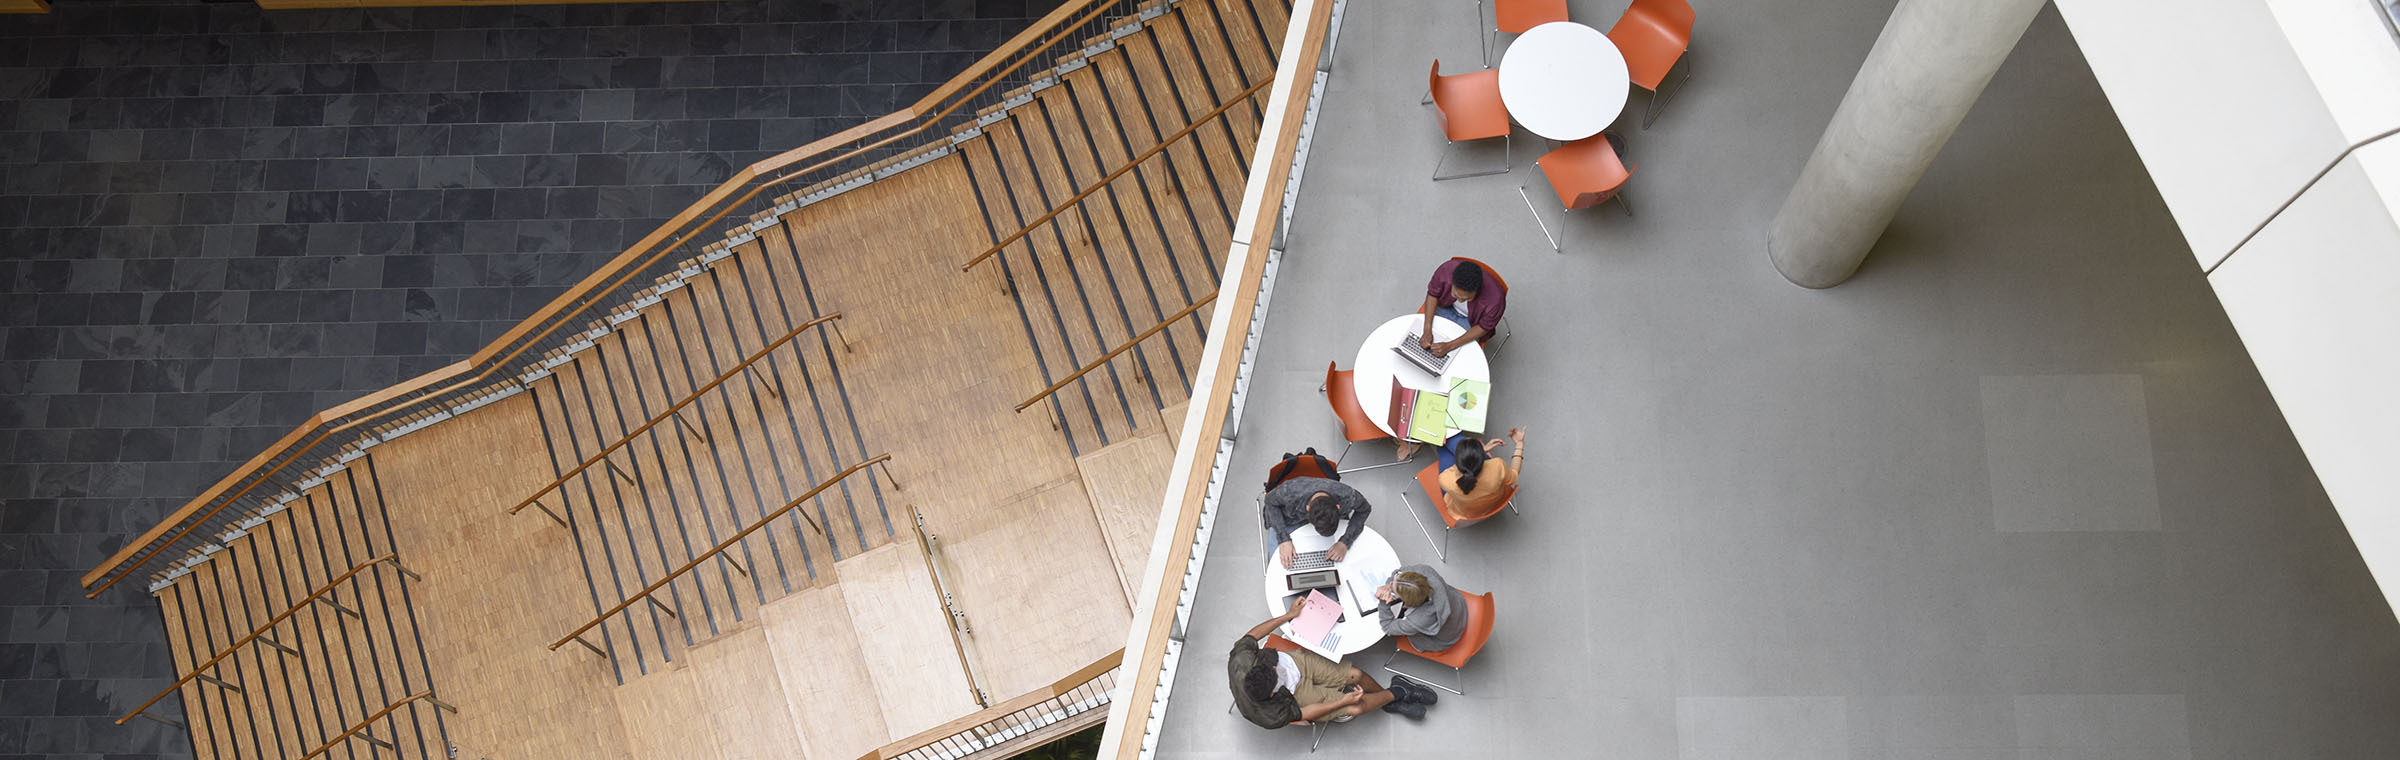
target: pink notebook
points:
(1318, 614)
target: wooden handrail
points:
(1130, 165)
(627, 438)
(1122, 348)
(1053, 27)
(262, 630)
(1055, 690)
(934, 573)
(719, 548)
(422, 696)
(1196, 450)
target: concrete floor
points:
(2016, 491)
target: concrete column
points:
(1926, 70)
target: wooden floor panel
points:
(1126, 482)
(1021, 601)
(743, 698)
(666, 718)
(824, 674)
(904, 639)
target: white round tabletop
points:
(1377, 365)
(1371, 560)
(1563, 80)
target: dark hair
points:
(1324, 513)
(1467, 276)
(1470, 463)
(1260, 682)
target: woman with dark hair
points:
(1473, 481)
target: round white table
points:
(1563, 80)
(1372, 559)
(1377, 365)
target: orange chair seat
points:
(1469, 104)
(1479, 632)
(1585, 172)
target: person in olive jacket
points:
(1274, 689)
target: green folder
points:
(1469, 401)
(1431, 419)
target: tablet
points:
(1302, 581)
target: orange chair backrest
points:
(1488, 272)
(1279, 643)
(1517, 16)
(1652, 35)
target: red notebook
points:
(1404, 408)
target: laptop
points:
(1418, 355)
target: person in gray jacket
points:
(1319, 503)
(1418, 604)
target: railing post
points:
(886, 466)
(620, 472)
(662, 606)
(562, 522)
(837, 332)
(772, 388)
(175, 723)
(220, 683)
(279, 645)
(588, 645)
(688, 429)
(328, 601)
(737, 566)
(411, 574)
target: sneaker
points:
(1405, 708)
(1414, 691)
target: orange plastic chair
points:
(1479, 631)
(1517, 16)
(1584, 173)
(1303, 467)
(1469, 108)
(1654, 35)
(1342, 394)
(1430, 479)
(1493, 276)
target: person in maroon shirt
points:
(1461, 292)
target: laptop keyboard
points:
(1416, 354)
(1310, 561)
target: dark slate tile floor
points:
(217, 220)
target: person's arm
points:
(1425, 334)
(1261, 630)
(1356, 506)
(1277, 499)
(1316, 712)
(1516, 458)
(1471, 335)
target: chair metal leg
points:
(1512, 507)
(1556, 246)
(1375, 466)
(1658, 100)
(1482, 37)
(1316, 735)
(1412, 513)
(1508, 153)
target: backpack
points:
(1297, 465)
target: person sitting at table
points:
(1320, 504)
(1418, 604)
(1457, 293)
(1273, 688)
(1473, 481)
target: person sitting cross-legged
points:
(1274, 689)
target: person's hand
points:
(1284, 552)
(1516, 436)
(1337, 551)
(1490, 445)
(1294, 613)
(1384, 593)
(1441, 349)
(1355, 696)
(1425, 341)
